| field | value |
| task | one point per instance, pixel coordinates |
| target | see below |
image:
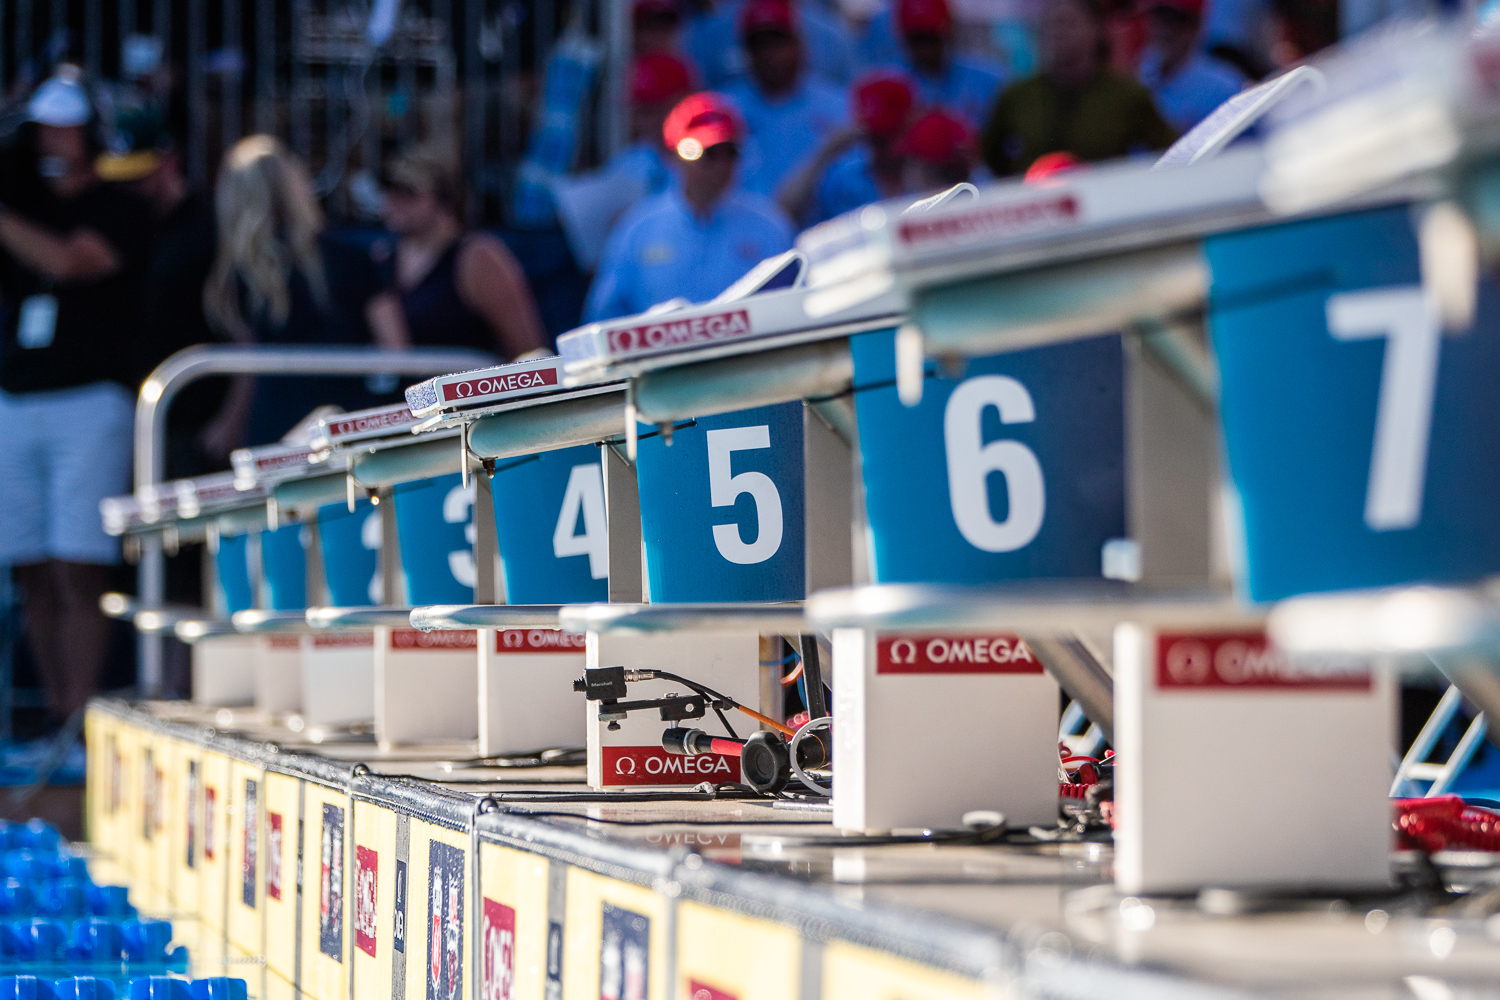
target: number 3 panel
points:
(1353, 425)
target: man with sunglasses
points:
(694, 239)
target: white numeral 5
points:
(584, 494)
(724, 489)
(1412, 329)
(970, 463)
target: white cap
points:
(60, 101)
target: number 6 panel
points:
(1075, 461)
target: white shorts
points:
(61, 452)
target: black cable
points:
(725, 719)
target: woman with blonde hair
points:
(458, 288)
(279, 279)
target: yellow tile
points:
(729, 954)
(615, 929)
(513, 923)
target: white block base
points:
(338, 678)
(526, 696)
(224, 671)
(425, 686)
(923, 733)
(278, 673)
(1225, 775)
(632, 756)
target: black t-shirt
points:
(95, 336)
(352, 280)
(172, 315)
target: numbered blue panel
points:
(550, 524)
(351, 553)
(232, 566)
(435, 532)
(283, 562)
(1360, 439)
(1014, 471)
(722, 508)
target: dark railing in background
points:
(466, 73)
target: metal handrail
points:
(190, 364)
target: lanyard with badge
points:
(37, 324)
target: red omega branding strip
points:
(1244, 661)
(395, 417)
(677, 332)
(538, 640)
(937, 654)
(282, 461)
(410, 638)
(1035, 214)
(498, 385)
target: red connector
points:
(1445, 822)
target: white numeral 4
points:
(1412, 329)
(724, 489)
(970, 463)
(584, 494)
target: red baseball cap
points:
(1193, 8)
(657, 77)
(938, 138)
(701, 121)
(1050, 165)
(924, 17)
(767, 15)
(882, 102)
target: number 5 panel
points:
(1359, 437)
(725, 506)
(1070, 461)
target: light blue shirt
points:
(847, 184)
(968, 88)
(642, 162)
(1189, 95)
(661, 250)
(780, 135)
(712, 42)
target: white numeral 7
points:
(1408, 379)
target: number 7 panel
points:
(1358, 434)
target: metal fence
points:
(344, 82)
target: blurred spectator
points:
(1077, 104)
(72, 253)
(1240, 32)
(279, 279)
(1302, 28)
(788, 113)
(1186, 83)
(589, 205)
(937, 151)
(457, 288)
(699, 236)
(657, 26)
(859, 165)
(714, 44)
(960, 84)
(143, 154)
